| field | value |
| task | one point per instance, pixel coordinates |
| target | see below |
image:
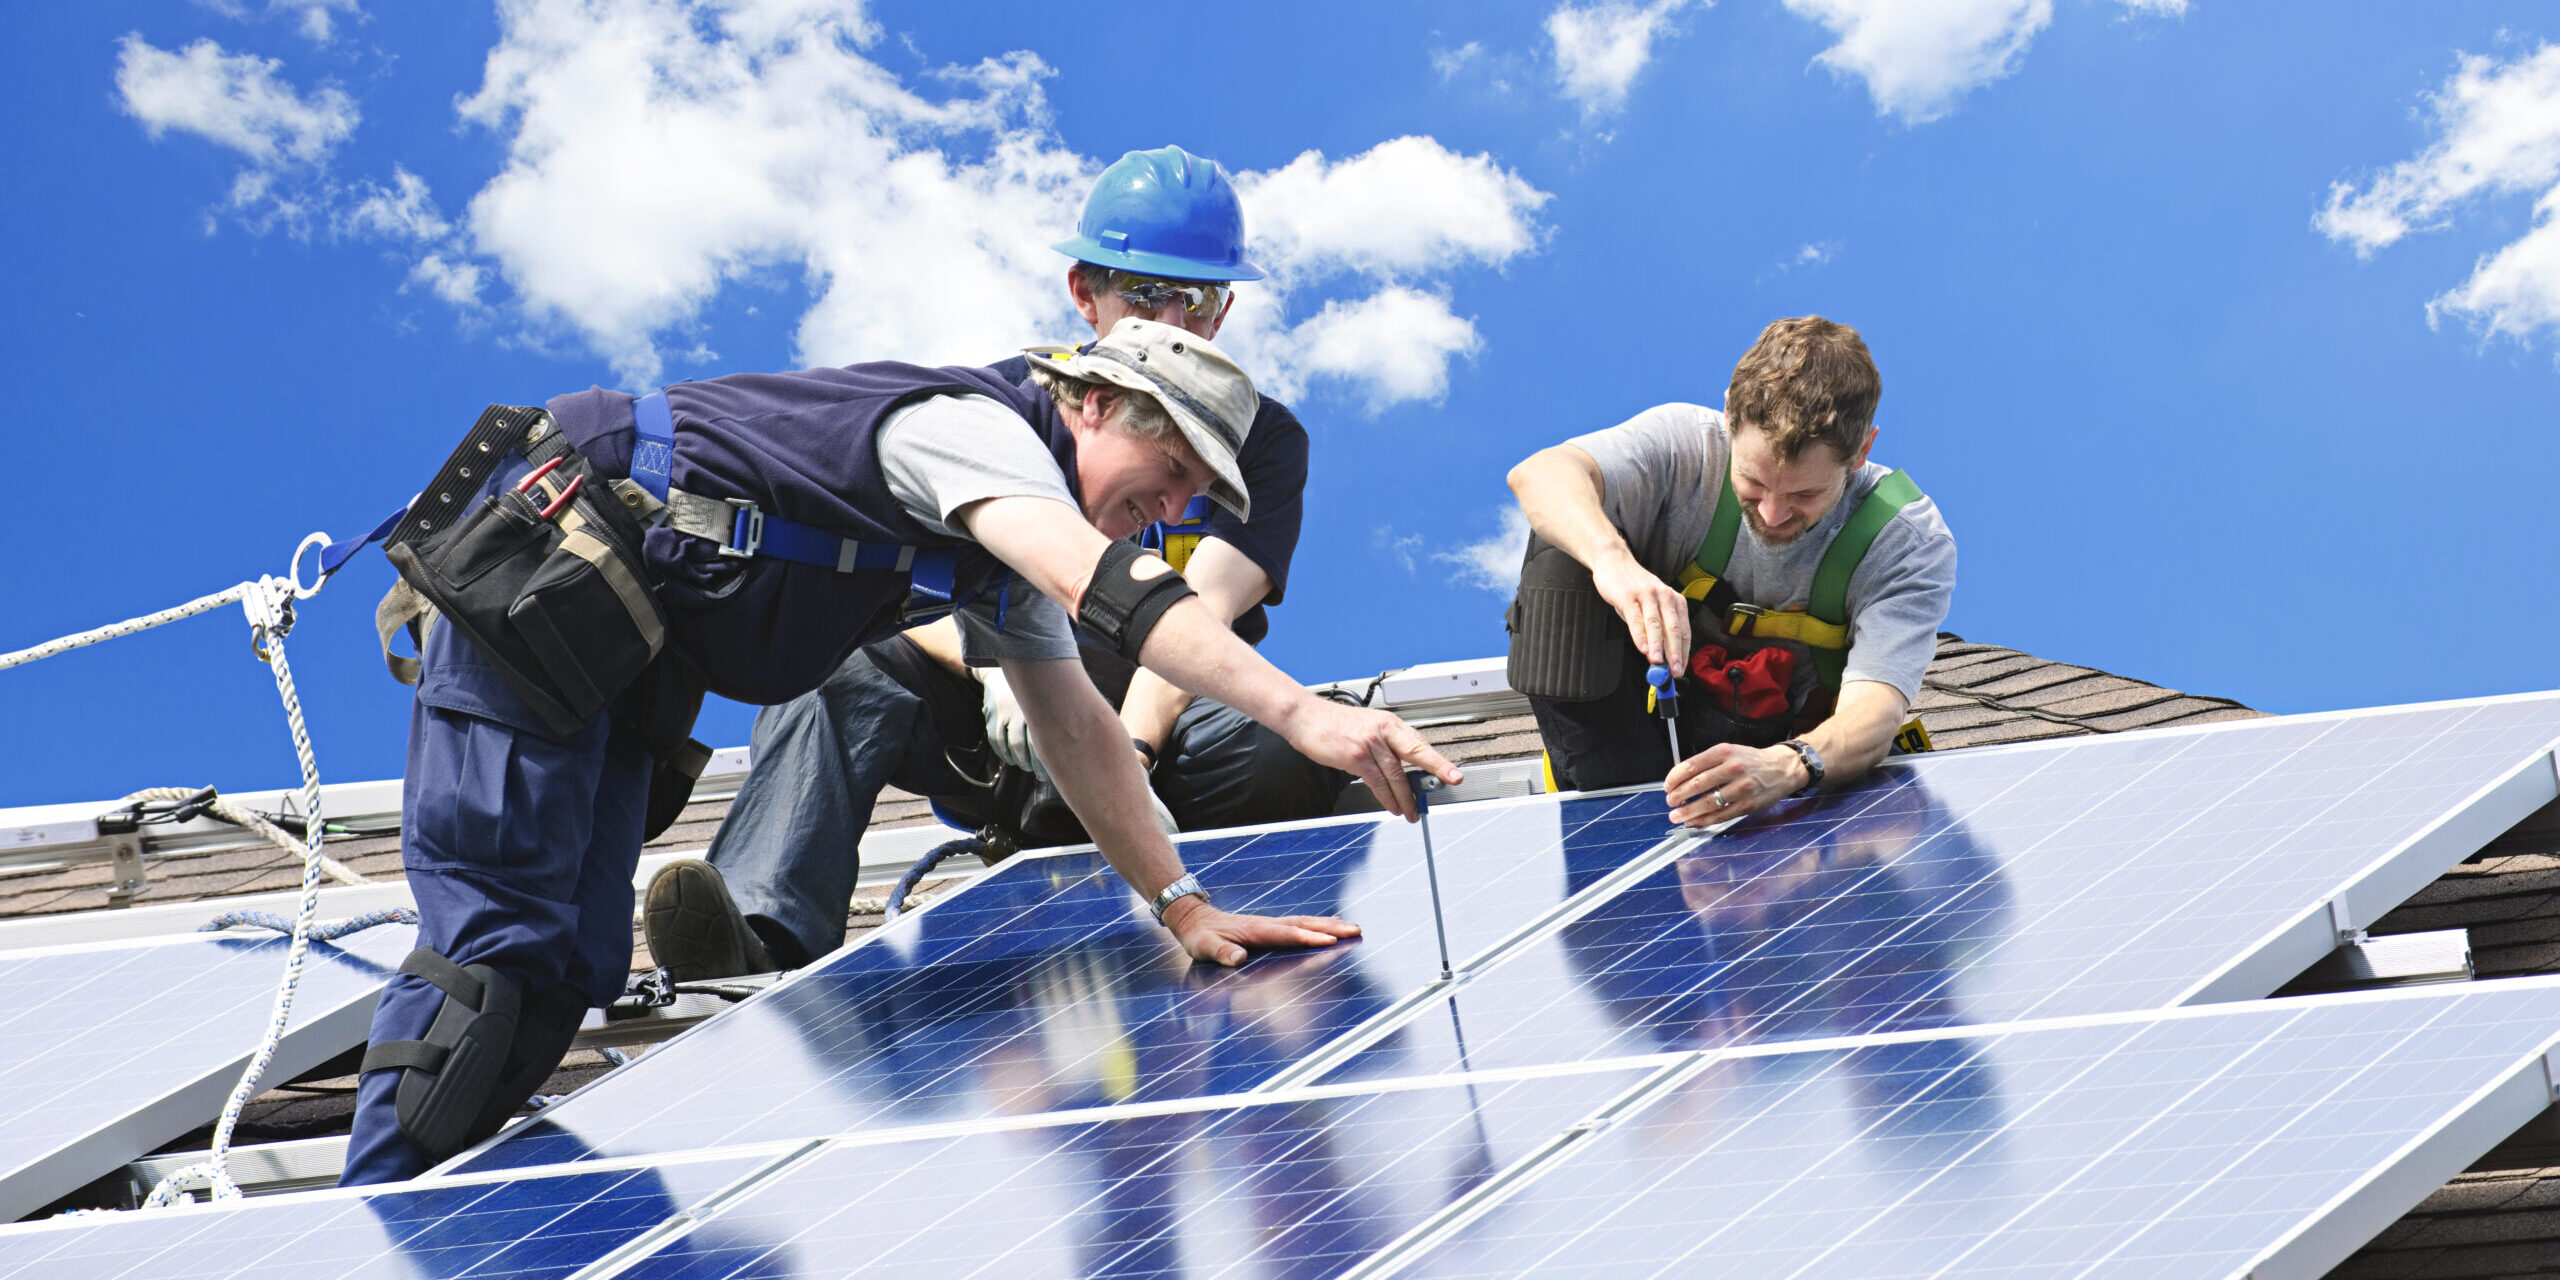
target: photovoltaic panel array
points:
(2077, 877)
(2262, 1140)
(1044, 985)
(108, 1051)
(1927, 1025)
(2231, 1140)
(530, 1228)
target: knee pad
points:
(1566, 642)
(545, 1026)
(448, 1077)
(1121, 609)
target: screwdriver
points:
(1662, 698)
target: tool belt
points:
(545, 577)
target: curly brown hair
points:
(1807, 381)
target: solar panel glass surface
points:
(2189, 1145)
(2080, 877)
(1044, 986)
(89, 1036)
(530, 1228)
(1281, 1189)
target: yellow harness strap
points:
(1766, 624)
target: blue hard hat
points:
(1164, 212)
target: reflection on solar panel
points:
(1304, 1187)
(2262, 1140)
(1045, 986)
(1926, 1026)
(108, 1051)
(536, 1228)
(2067, 878)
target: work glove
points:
(1008, 730)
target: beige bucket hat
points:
(1208, 396)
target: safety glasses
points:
(1154, 293)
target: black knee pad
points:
(1566, 642)
(544, 1028)
(447, 1078)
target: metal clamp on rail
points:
(746, 529)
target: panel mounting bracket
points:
(2342, 920)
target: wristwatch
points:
(1812, 764)
(1183, 888)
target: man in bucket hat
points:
(1162, 238)
(767, 525)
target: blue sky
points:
(2223, 333)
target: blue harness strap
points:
(653, 444)
(931, 574)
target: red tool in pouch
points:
(1753, 687)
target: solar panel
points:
(1980, 887)
(2265, 1139)
(531, 1228)
(1303, 1187)
(1043, 985)
(107, 1051)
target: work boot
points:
(695, 930)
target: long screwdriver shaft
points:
(1423, 785)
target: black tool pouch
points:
(561, 606)
(661, 708)
(1566, 642)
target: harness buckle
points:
(1743, 619)
(746, 529)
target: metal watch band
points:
(1812, 764)
(1183, 888)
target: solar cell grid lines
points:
(532, 1228)
(1043, 986)
(2236, 1140)
(109, 1050)
(1302, 1187)
(2070, 878)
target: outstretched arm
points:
(1049, 543)
(1098, 774)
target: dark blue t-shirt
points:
(1274, 463)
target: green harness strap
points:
(1830, 599)
(1717, 551)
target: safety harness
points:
(1176, 541)
(741, 529)
(1822, 626)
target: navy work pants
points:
(519, 847)
(787, 849)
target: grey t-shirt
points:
(943, 453)
(1662, 473)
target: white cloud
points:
(1599, 49)
(1390, 220)
(1450, 62)
(2156, 8)
(656, 152)
(2497, 134)
(312, 17)
(1494, 563)
(1394, 345)
(1919, 57)
(237, 101)
(1404, 207)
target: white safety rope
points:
(268, 603)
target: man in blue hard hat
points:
(1161, 238)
